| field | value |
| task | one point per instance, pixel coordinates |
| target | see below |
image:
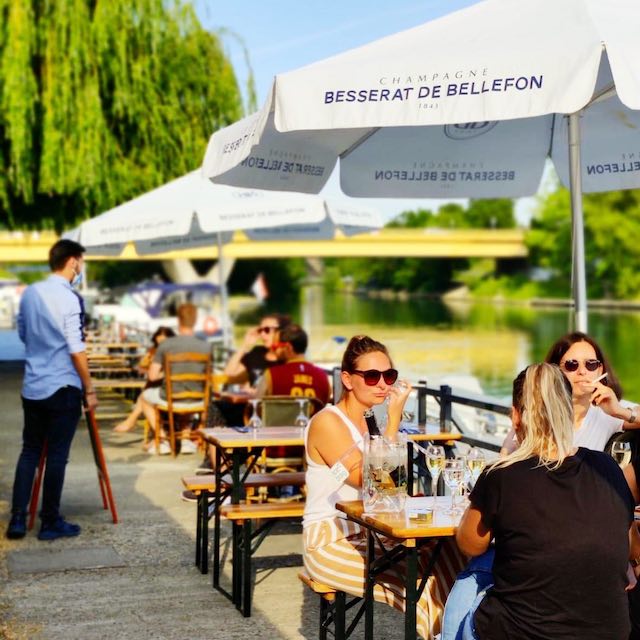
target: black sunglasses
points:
(572, 365)
(371, 376)
(267, 329)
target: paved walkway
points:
(137, 579)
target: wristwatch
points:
(632, 415)
(634, 562)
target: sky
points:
(282, 35)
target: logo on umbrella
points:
(468, 130)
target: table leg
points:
(411, 593)
(368, 587)
(203, 505)
(246, 568)
(216, 520)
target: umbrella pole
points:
(579, 278)
(224, 300)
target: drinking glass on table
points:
(453, 475)
(301, 419)
(476, 462)
(621, 453)
(254, 422)
(434, 459)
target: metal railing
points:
(446, 399)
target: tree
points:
(101, 100)
(612, 229)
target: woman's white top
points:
(594, 432)
(596, 429)
(323, 489)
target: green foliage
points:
(101, 100)
(420, 274)
(612, 229)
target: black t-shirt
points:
(561, 550)
(256, 360)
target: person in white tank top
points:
(597, 411)
(334, 547)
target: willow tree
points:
(101, 100)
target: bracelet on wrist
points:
(90, 392)
(632, 414)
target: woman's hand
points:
(605, 398)
(250, 339)
(398, 395)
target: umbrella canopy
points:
(193, 212)
(469, 105)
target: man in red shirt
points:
(296, 377)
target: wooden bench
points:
(242, 517)
(204, 486)
(333, 608)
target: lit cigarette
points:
(604, 375)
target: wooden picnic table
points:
(409, 535)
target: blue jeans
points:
(54, 421)
(465, 596)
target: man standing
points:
(51, 325)
(184, 342)
(296, 377)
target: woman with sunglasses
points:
(559, 516)
(597, 411)
(251, 359)
(334, 547)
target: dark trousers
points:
(54, 421)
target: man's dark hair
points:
(296, 336)
(61, 251)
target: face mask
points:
(77, 280)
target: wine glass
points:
(257, 377)
(255, 422)
(453, 475)
(462, 488)
(476, 463)
(301, 419)
(434, 459)
(621, 453)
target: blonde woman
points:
(559, 517)
(335, 548)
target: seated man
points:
(296, 377)
(184, 342)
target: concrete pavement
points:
(137, 579)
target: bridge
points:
(28, 246)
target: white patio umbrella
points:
(469, 105)
(193, 212)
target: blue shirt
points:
(51, 325)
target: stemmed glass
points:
(621, 453)
(476, 463)
(257, 377)
(435, 462)
(301, 419)
(254, 422)
(453, 475)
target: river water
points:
(431, 340)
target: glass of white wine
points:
(476, 463)
(453, 475)
(435, 462)
(621, 453)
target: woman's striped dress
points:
(335, 548)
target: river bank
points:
(465, 295)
